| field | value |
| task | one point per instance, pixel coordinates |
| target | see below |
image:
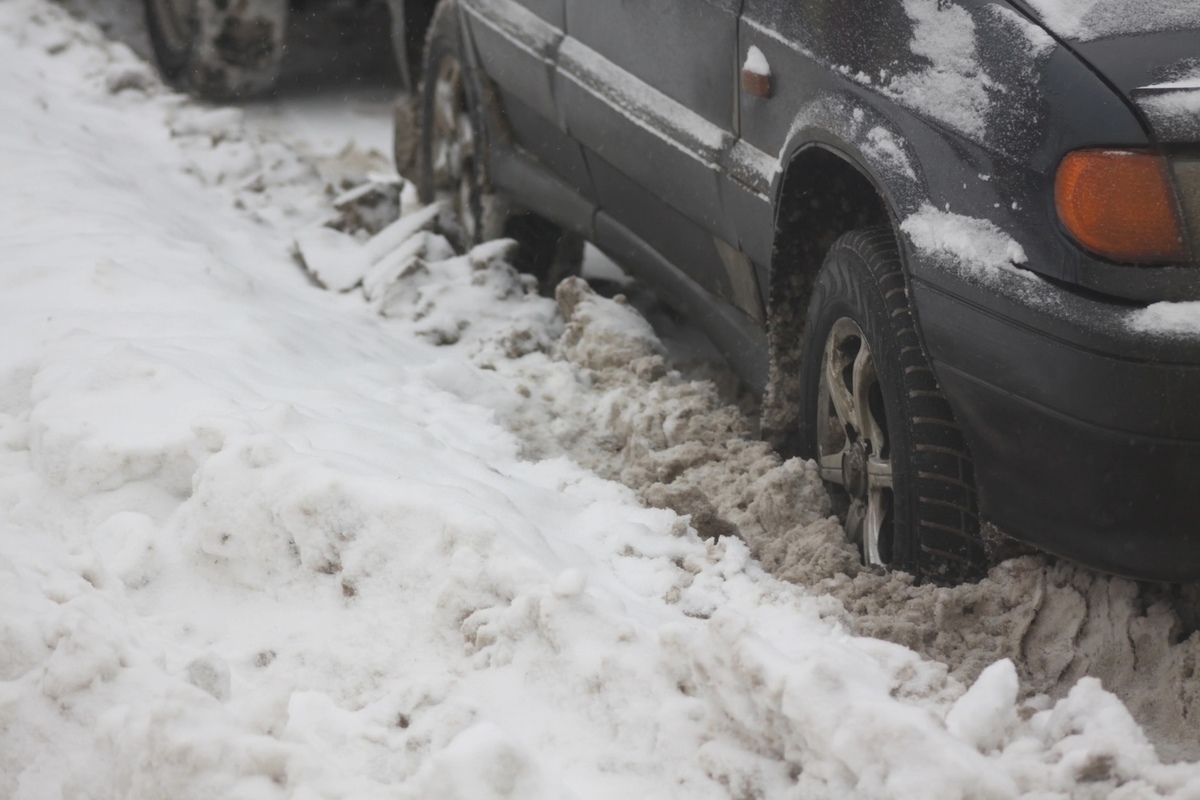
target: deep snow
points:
(423, 539)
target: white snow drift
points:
(258, 541)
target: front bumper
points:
(1084, 431)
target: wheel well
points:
(823, 195)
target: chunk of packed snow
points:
(974, 245)
(986, 714)
(332, 257)
(1170, 319)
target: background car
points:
(229, 49)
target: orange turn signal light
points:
(1119, 204)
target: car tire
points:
(876, 422)
(218, 50)
(453, 160)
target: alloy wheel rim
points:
(853, 449)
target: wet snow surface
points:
(441, 537)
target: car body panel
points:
(655, 41)
(517, 49)
(639, 145)
(1129, 42)
(656, 119)
(667, 150)
(1003, 167)
(516, 44)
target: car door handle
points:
(755, 83)
(756, 73)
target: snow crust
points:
(263, 540)
(1085, 20)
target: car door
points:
(517, 43)
(648, 87)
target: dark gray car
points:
(951, 241)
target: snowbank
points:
(263, 540)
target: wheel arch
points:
(846, 167)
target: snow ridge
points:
(263, 540)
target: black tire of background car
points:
(934, 524)
(215, 50)
(544, 250)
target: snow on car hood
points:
(1087, 20)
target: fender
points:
(868, 140)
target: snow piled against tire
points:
(258, 540)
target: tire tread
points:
(944, 545)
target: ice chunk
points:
(370, 206)
(335, 259)
(987, 713)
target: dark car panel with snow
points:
(955, 243)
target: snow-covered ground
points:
(441, 537)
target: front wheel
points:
(876, 422)
(218, 49)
